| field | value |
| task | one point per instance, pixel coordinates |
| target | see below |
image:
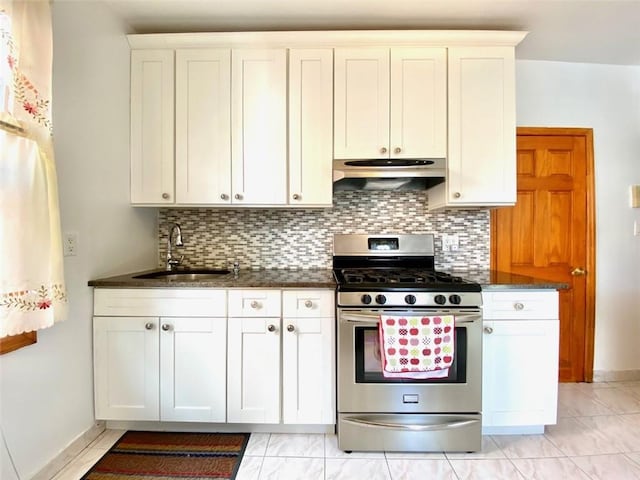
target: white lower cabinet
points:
(145, 368)
(281, 367)
(160, 367)
(271, 361)
(308, 357)
(520, 361)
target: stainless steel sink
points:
(191, 275)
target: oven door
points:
(362, 388)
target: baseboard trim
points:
(218, 427)
(70, 452)
(616, 375)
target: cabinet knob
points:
(148, 326)
(224, 196)
(255, 304)
(383, 150)
(238, 196)
(271, 328)
(166, 196)
(457, 195)
(488, 330)
(518, 306)
(290, 328)
(296, 196)
(397, 150)
(166, 327)
(308, 303)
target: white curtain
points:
(32, 288)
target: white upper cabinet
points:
(482, 129)
(259, 126)
(390, 103)
(310, 127)
(203, 126)
(361, 112)
(418, 103)
(152, 116)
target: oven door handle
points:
(371, 318)
(449, 425)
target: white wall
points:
(607, 99)
(47, 388)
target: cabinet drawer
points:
(520, 305)
(254, 303)
(160, 302)
(308, 303)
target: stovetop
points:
(393, 278)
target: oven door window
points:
(368, 363)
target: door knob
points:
(308, 303)
(148, 326)
(224, 196)
(290, 328)
(271, 328)
(397, 150)
(166, 327)
(383, 150)
(238, 196)
(488, 330)
(576, 272)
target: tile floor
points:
(597, 437)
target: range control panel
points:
(409, 299)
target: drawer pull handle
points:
(290, 328)
(148, 326)
(308, 304)
(518, 306)
(255, 305)
(488, 330)
(271, 328)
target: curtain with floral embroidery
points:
(32, 288)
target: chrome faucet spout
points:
(171, 260)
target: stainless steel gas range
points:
(394, 275)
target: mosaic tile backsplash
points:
(303, 238)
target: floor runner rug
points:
(169, 455)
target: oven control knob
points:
(440, 299)
(366, 299)
(381, 299)
(410, 299)
(455, 299)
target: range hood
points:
(388, 174)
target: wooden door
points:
(549, 233)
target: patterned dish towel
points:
(416, 347)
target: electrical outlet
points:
(70, 244)
(450, 243)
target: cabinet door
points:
(152, 116)
(310, 127)
(126, 363)
(361, 109)
(308, 380)
(203, 126)
(482, 126)
(520, 373)
(259, 126)
(253, 370)
(418, 103)
(193, 366)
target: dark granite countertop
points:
(496, 280)
(268, 278)
(310, 278)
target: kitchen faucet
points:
(171, 261)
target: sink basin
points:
(191, 275)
